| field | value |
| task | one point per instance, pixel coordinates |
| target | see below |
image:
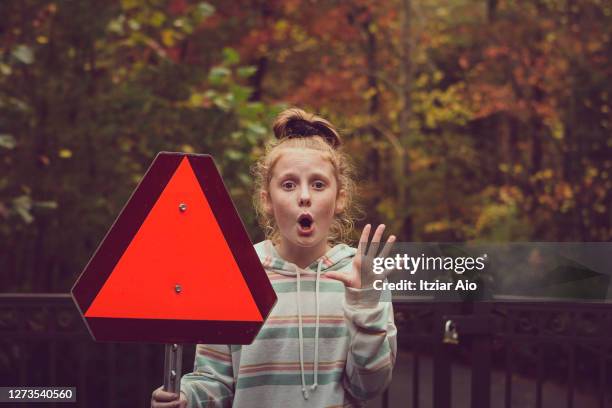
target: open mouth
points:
(305, 223)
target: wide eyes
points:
(318, 185)
(289, 185)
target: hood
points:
(335, 259)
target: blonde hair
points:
(295, 128)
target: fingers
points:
(164, 399)
(164, 396)
(374, 245)
(372, 249)
(365, 237)
(363, 240)
(183, 400)
(171, 404)
(342, 277)
(388, 246)
(378, 233)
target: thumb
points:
(183, 400)
(342, 277)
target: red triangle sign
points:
(177, 265)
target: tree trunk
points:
(491, 10)
(403, 168)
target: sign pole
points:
(172, 368)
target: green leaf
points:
(223, 102)
(114, 26)
(22, 206)
(234, 154)
(24, 54)
(134, 24)
(157, 19)
(45, 205)
(247, 71)
(245, 179)
(7, 141)
(252, 110)
(196, 99)
(218, 74)
(204, 10)
(184, 25)
(240, 93)
(257, 128)
(129, 4)
(230, 56)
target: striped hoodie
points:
(323, 345)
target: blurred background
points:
(466, 120)
(483, 120)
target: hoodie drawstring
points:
(316, 352)
(301, 335)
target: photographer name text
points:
(413, 264)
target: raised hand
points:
(359, 278)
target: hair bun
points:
(295, 122)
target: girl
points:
(329, 341)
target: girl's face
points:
(303, 198)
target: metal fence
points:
(511, 351)
(498, 354)
(44, 342)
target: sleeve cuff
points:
(367, 297)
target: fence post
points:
(441, 361)
(481, 360)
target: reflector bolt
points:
(183, 207)
(178, 288)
